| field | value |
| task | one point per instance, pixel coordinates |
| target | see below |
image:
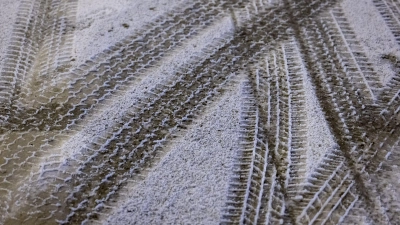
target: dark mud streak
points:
(257, 206)
(60, 116)
(28, 39)
(298, 119)
(275, 160)
(204, 78)
(31, 34)
(172, 107)
(112, 70)
(377, 131)
(367, 129)
(392, 88)
(269, 133)
(184, 99)
(333, 119)
(55, 50)
(269, 198)
(357, 66)
(56, 116)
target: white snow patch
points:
(189, 185)
(319, 138)
(373, 33)
(102, 24)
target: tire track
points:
(360, 70)
(29, 40)
(84, 201)
(332, 195)
(51, 173)
(367, 133)
(262, 199)
(324, 189)
(136, 53)
(345, 196)
(54, 57)
(295, 73)
(387, 187)
(113, 69)
(357, 214)
(31, 34)
(21, 152)
(276, 176)
(360, 180)
(337, 187)
(51, 119)
(24, 45)
(390, 11)
(242, 166)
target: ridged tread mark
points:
(298, 143)
(385, 178)
(26, 121)
(262, 197)
(277, 175)
(341, 192)
(134, 54)
(390, 11)
(30, 39)
(313, 219)
(23, 47)
(169, 104)
(54, 56)
(111, 70)
(50, 117)
(380, 147)
(368, 167)
(344, 130)
(375, 161)
(361, 180)
(231, 57)
(88, 95)
(269, 131)
(377, 156)
(353, 57)
(356, 215)
(322, 189)
(45, 114)
(244, 219)
(269, 205)
(29, 35)
(243, 164)
(170, 108)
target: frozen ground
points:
(199, 112)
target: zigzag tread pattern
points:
(276, 44)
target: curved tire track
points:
(269, 184)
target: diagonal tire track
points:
(32, 39)
(367, 133)
(229, 58)
(361, 180)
